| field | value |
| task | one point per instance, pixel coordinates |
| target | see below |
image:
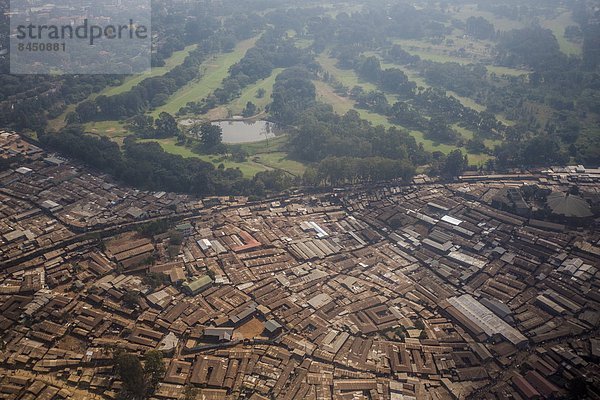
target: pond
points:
(243, 131)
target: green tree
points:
(175, 237)
(249, 110)
(210, 135)
(166, 126)
(154, 369)
(370, 69)
(455, 163)
(129, 369)
(142, 125)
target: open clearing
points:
(115, 130)
(262, 156)
(557, 26)
(280, 160)
(176, 59)
(250, 92)
(248, 168)
(251, 329)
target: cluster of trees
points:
(565, 85)
(448, 166)
(391, 80)
(139, 380)
(466, 80)
(209, 134)
(28, 101)
(397, 55)
(534, 47)
(428, 110)
(293, 93)
(323, 133)
(146, 127)
(480, 28)
(149, 93)
(540, 150)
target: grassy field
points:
(477, 53)
(502, 24)
(115, 130)
(499, 70)
(263, 156)
(249, 94)
(280, 160)
(271, 153)
(413, 76)
(304, 43)
(249, 168)
(557, 26)
(213, 71)
(342, 104)
(176, 59)
(432, 53)
(346, 77)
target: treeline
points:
(343, 170)
(480, 28)
(323, 133)
(534, 47)
(538, 151)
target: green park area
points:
(264, 155)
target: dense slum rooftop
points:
(423, 291)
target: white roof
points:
(451, 220)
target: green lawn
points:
(502, 24)
(498, 70)
(280, 160)
(249, 168)
(249, 94)
(213, 71)
(263, 156)
(304, 43)
(111, 129)
(346, 77)
(437, 53)
(325, 94)
(276, 144)
(176, 59)
(557, 26)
